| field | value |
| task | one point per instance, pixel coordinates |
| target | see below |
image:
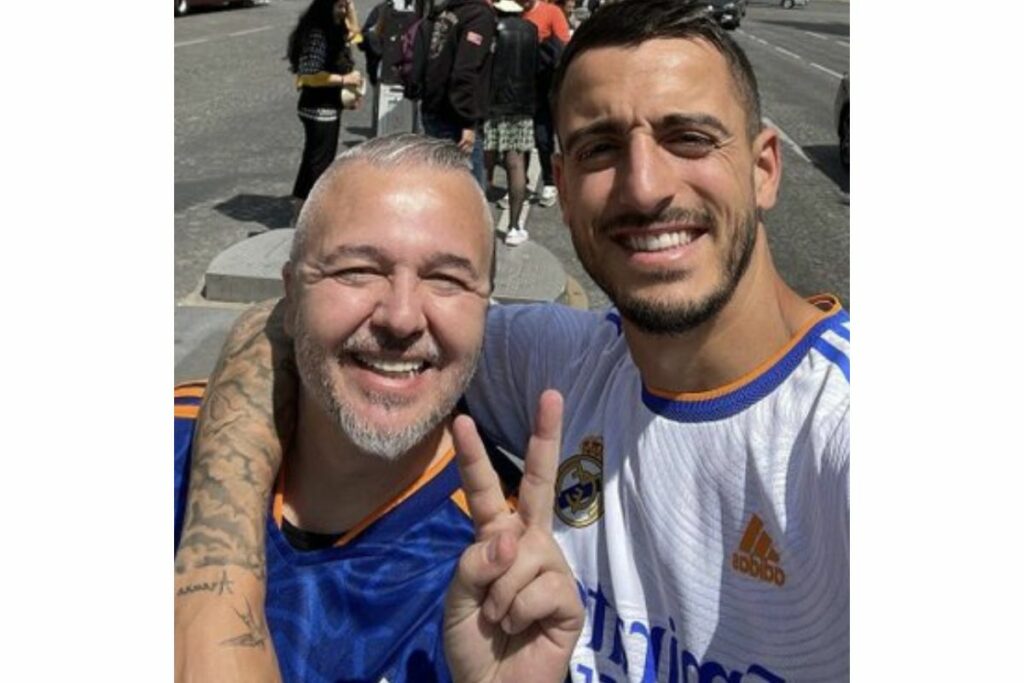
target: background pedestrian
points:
(320, 55)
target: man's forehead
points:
(397, 210)
(601, 78)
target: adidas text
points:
(759, 569)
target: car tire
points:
(844, 139)
(180, 7)
(788, 4)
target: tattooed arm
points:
(220, 572)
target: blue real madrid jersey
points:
(370, 608)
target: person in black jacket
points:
(321, 59)
(508, 132)
(456, 90)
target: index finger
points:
(537, 489)
(480, 482)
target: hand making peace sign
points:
(512, 612)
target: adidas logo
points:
(757, 556)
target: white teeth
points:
(665, 240)
(392, 367)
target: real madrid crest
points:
(578, 502)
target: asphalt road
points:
(238, 140)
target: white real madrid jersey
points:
(709, 533)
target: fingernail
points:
(506, 625)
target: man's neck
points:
(759, 320)
(330, 485)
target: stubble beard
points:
(314, 366)
(672, 318)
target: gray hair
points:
(389, 152)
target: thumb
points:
(480, 565)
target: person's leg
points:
(544, 137)
(318, 152)
(477, 158)
(489, 162)
(516, 186)
(437, 127)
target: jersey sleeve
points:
(527, 349)
(186, 412)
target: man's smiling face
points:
(658, 178)
(388, 300)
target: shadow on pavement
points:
(834, 29)
(826, 159)
(270, 212)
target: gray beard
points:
(653, 317)
(388, 444)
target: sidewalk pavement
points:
(250, 271)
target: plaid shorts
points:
(508, 134)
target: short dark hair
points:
(629, 23)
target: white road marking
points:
(843, 43)
(787, 52)
(816, 35)
(252, 30)
(788, 140)
(830, 72)
(229, 35)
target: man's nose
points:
(646, 178)
(401, 309)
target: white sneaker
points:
(516, 236)
(548, 195)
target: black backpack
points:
(412, 61)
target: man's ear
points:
(767, 167)
(290, 297)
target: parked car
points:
(728, 12)
(790, 4)
(842, 119)
(183, 6)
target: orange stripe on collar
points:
(436, 468)
(829, 306)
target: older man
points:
(386, 290)
(703, 495)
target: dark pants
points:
(317, 154)
(544, 137)
(437, 127)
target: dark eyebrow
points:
(674, 120)
(608, 126)
(602, 127)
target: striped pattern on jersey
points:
(709, 533)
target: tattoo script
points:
(218, 587)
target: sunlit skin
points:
(340, 10)
(395, 270)
(665, 151)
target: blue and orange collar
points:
(726, 401)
